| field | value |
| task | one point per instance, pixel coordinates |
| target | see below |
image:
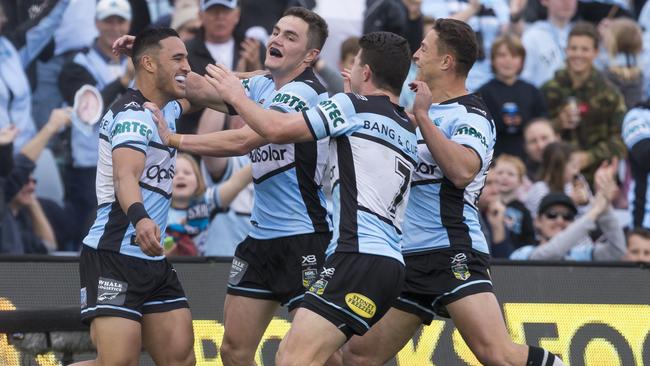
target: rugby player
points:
(372, 154)
(283, 252)
(130, 294)
(446, 254)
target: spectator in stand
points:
(546, 41)
(638, 246)
(586, 109)
(636, 135)
(25, 228)
(192, 206)
(537, 135)
(488, 19)
(333, 79)
(512, 102)
(594, 11)
(185, 20)
(492, 218)
(562, 236)
(218, 43)
(622, 39)
(111, 75)
(19, 47)
(559, 172)
(510, 172)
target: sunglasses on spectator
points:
(552, 215)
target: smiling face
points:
(288, 46)
(506, 64)
(110, 29)
(507, 177)
(581, 53)
(427, 58)
(552, 221)
(171, 67)
(185, 181)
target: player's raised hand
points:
(347, 80)
(225, 82)
(423, 98)
(123, 45)
(161, 123)
(147, 236)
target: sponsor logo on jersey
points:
(459, 267)
(361, 305)
(332, 112)
(471, 131)
(83, 298)
(110, 291)
(291, 100)
(158, 173)
(246, 83)
(132, 127)
(267, 153)
(424, 168)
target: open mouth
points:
(181, 185)
(274, 52)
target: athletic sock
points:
(541, 357)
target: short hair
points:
(519, 165)
(350, 47)
(640, 231)
(514, 46)
(388, 56)
(585, 29)
(317, 32)
(538, 121)
(457, 38)
(147, 39)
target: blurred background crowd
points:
(566, 82)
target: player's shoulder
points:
(472, 104)
(132, 101)
(307, 80)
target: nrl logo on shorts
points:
(308, 277)
(237, 270)
(459, 266)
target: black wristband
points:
(136, 212)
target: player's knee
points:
(354, 355)
(232, 353)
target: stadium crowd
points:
(565, 82)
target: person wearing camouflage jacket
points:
(586, 109)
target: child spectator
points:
(559, 172)
(623, 42)
(193, 205)
(638, 246)
(510, 172)
(511, 101)
(492, 218)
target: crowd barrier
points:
(594, 314)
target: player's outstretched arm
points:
(274, 126)
(218, 144)
(458, 163)
(128, 165)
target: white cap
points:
(107, 8)
(205, 4)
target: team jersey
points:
(372, 156)
(128, 125)
(289, 199)
(440, 215)
(636, 135)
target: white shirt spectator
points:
(222, 52)
(545, 46)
